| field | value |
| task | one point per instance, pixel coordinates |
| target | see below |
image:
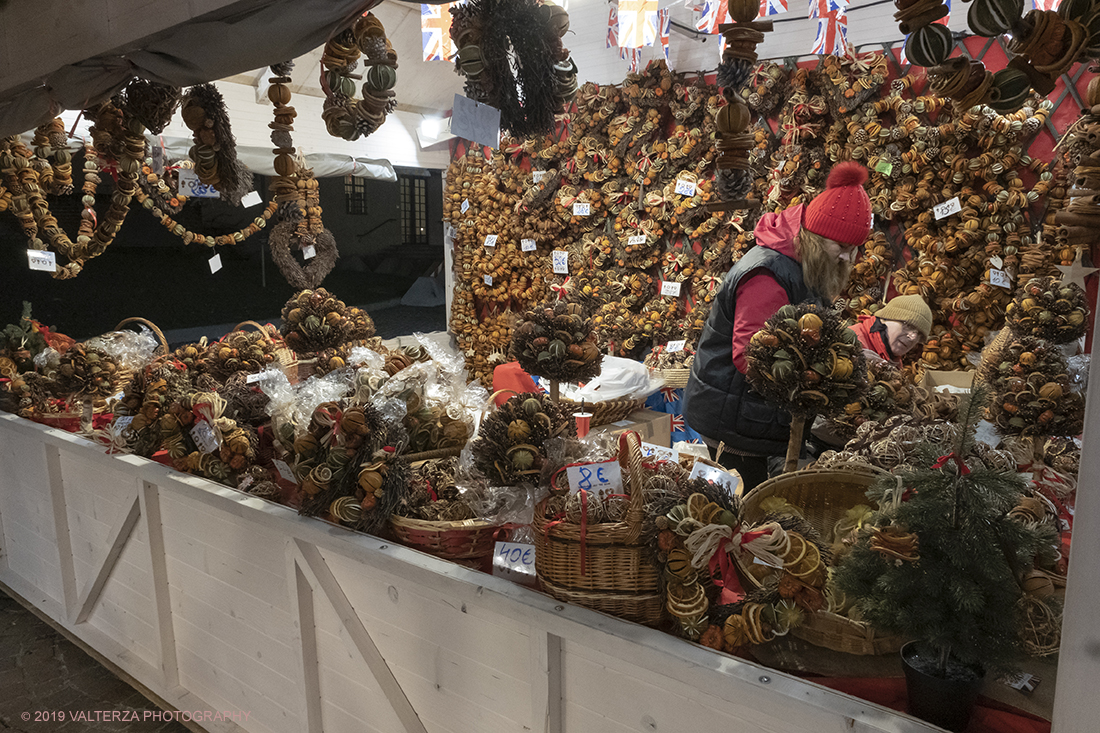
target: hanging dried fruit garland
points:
(344, 115)
(215, 149)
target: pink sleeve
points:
(758, 297)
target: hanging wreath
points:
(513, 59)
(344, 115)
(314, 273)
(215, 149)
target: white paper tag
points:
(528, 245)
(514, 561)
(731, 482)
(659, 452)
(591, 477)
(284, 471)
(490, 240)
(636, 239)
(251, 199)
(947, 208)
(488, 279)
(685, 188)
(309, 252)
(40, 259)
(123, 422)
(673, 346)
(670, 288)
(189, 185)
(582, 208)
(986, 432)
(996, 262)
(622, 423)
(246, 482)
(537, 176)
(215, 263)
(117, 396)
(253, 378)
(204, 436)
(1024, 682)
(561, 262)
(1000, 279)
(465, 206)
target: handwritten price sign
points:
(670, 288)
(537, 176)
(1000, 278)
(685, 188)
(659, 452)
(204, 437)
(490, 240)
(595, 477)
(40, 259)
(561, 262)
(636, 239)
(947, 208)
(729, 481)
(528, 245)
(488, 279)
(582, 209)
(674, 346)
(514, 561)
(465, 206)
(191, 186)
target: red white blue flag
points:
(664, 22)
(832, 34)
(435, 28)
(613, 25)
(713, 14)
(772, 7)
(1046, 4)
(634, 56)
(637, 23)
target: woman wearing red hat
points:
(803, 254)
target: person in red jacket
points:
(895, 329)
(803, 254)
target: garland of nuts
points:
(344, 115)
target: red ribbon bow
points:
(723, 571)
(952, 456)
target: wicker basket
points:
(605, 412)
(823, 496)
(675, 378)
(159, 351)
(283, 353)
(468, 542)
(616, 575)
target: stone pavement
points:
(46, 680)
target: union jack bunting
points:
(664, 22)
(821, 8)
(613, 25)
(634, 56)
(946, 18)
(435, 27)
(678, 423)
(1046, 4)
(713, 14)
(670, 394)
(832, 34)
(772, 7)
(637, 23)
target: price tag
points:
(245, 482)
(673, 346)
(636, 239)
(204, 437)
(660, 452)
(947, 208)
(215, 263)
(253, 378)
(685, 188)
(582, 208)
(490, 240)
(986, 432)
(251, 199)
(731, 482)
(996, 262)
(1024, 682)
(885, 167)
(117, 396)
(670, 288)
(191, 186)
(561, 262)
(488, 279)
(284, 471)
(528, 245)
(465, 206)
(40, 259)
(1000, 279)
(309, 252)
(123, 422)
(605, 477)
(538, 176)
(514, 561)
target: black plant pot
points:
(946, 702)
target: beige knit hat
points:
(909, 309)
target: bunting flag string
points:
(664, 23)
(435, 29)
(713, 14)
(613, 25)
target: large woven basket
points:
(675, 378)
(283, 354)
(618, 577)
(468, 542)
(823, 495)
(604, 412)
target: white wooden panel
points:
(230, 569)
(221, 691)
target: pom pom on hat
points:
(842, 212)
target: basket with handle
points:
(163, 348)
(603, 566)
(283, 354)
(675, 378)
(823, 496)
(468, 542)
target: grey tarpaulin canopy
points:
(190, 53)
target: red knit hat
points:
(842, 212)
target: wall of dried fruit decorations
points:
(651, 250)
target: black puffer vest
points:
(718, 401)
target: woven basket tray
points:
(469, 542)
(619, 578)
(675, 378)
(823, 496)
(606, 412)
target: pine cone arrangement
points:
(557, 341)
(807, 361)
(888, 393)
(315, 320)
(509, 447)
(1050, 310)
(87, 372)
(1031, 391)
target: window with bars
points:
(355, 194)
(414, 209)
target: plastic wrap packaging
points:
(684, 448)
(619, 378)
(1078, 370)
(129, 349)
(292, 406)
(501, 504)
(361, 356)
(47, 360)
(562, 452)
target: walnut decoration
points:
(1049, 310)
(316, 323)
(1031, 391)
(556, 341)
(344, 115)
(508, 448)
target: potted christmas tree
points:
(941, 564)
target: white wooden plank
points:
(546, 681)
(117, 622)
(246, 577)
(61, 526)
(162, 617)
(32, 556)
(309, 702)
(184, 579)
(120, 531)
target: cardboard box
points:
(938, 381)
(653, 427)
